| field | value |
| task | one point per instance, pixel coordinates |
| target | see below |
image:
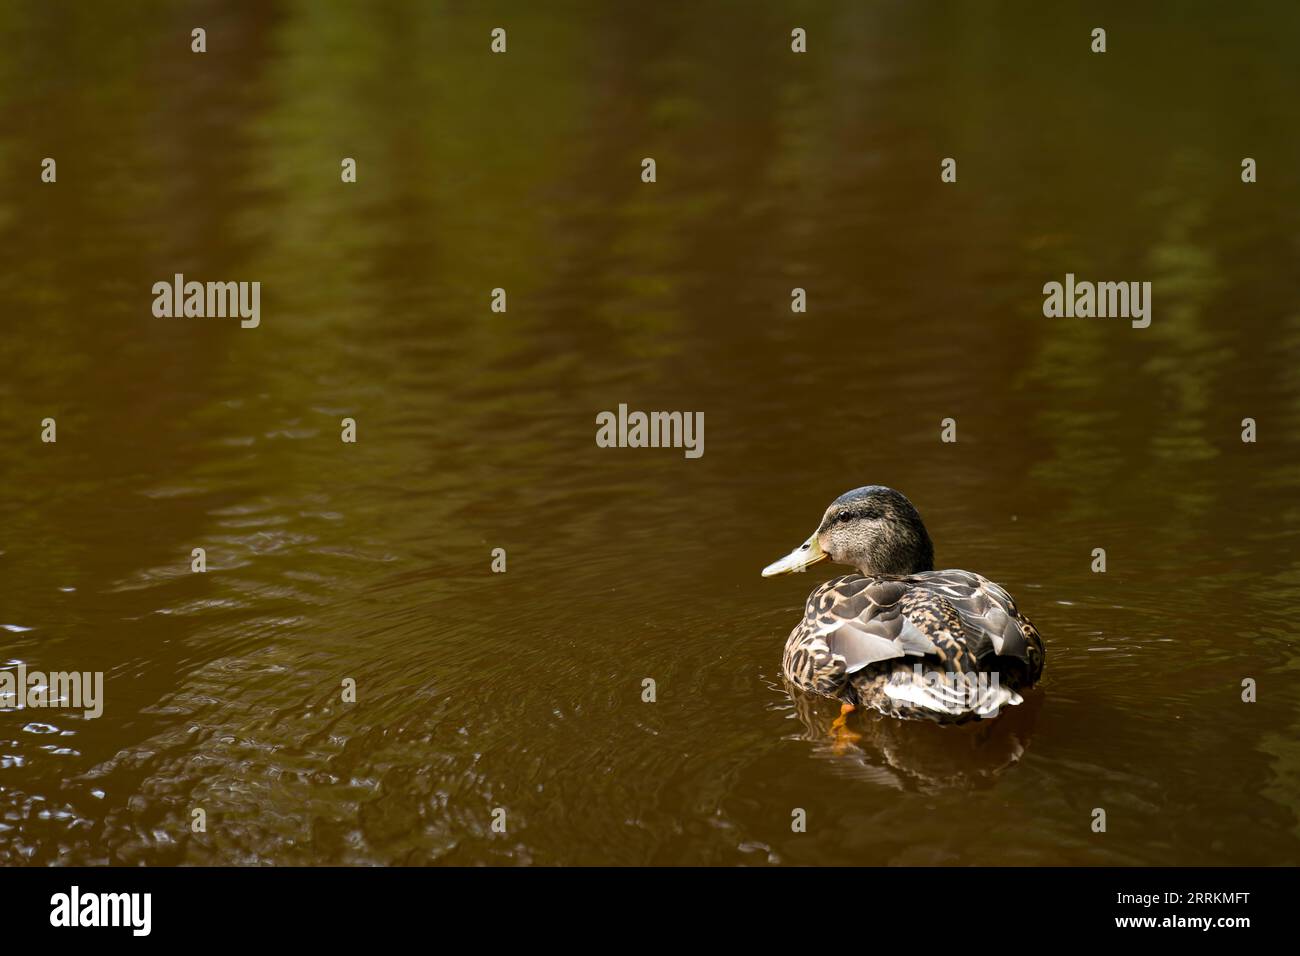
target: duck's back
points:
(948, 644)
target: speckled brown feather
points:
(860, 635)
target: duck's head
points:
(874, 529)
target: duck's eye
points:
(843, 516)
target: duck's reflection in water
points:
(917, 754)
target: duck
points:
(899, 637)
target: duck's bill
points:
(810, 552)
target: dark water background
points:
(476, 430)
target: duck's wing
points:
(850, 623)
(992, 624)
(956, 619)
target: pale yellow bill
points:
(810, 552)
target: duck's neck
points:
(904, 550)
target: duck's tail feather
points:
(940, 694)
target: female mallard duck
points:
(901, 637)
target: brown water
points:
(523, 690)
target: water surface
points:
(523, 690)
